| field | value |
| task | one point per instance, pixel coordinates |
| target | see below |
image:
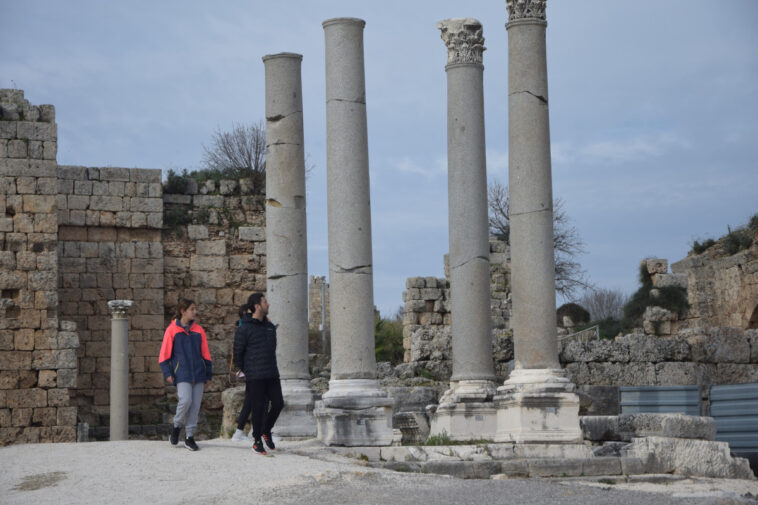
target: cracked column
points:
(537, 404)
(354, 411)
(466, 411)
(286, 240)
(119, 395)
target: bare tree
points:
(238, 153)
(604, 303)
(569, 275)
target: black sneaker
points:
(175, 435)
(269, 441)
(190, 444)
(258, 447)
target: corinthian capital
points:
(525, 9)
(464, 40)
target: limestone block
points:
(197, 232)
(656, 265)
(83, 187)
(431, 293)
(115, 174)
(155, 220)
(211, 247)
(726, 348)
(8, 129)
(679, 456)
(27, 167)
(37, 130)
(66, 416)
(208, 200)
(415, 282)
(208, 279)
(673, 374)
(625, 374)
(49, 150)
(58, 397)
(227, 187)
(109, 203)
(25, 185)
(252, 233)
(138, 204)
(47, 378)
(21, 416)
(734, 373)
(39, 203)
(45, 223)
(35, 149)
(54, 359)
(26, 398)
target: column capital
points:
(526, 9)
(464, 40)
(119, 308)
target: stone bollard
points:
(119, 398)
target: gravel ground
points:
(225, 472)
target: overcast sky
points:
(653, 107)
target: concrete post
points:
(286, 240)
(354, 411)
(119, 411)
(466, 410)
(537, 403)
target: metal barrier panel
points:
(675, 399)
(735, 409)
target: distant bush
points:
(576, 312)
(388, 343)
(176, 183)
(176, 218)
(700, 248)
(736, 240)
(673, 298)
(610, 327)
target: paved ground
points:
(224, 472)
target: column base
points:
(538, 406)
(296, 419)
(354, 412)
(466, 411)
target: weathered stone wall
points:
(217, 258)
(37, 351)
(722, 291)
(427, 301)
(109, 247)
(314, 302)
(693, 356)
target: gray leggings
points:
(190, 395)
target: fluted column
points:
(354, 411)
(286, 240)
(537, 403)
(119, 394)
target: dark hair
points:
(254, 299)
(184, 304)
(243, 309)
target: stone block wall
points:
(37, 350)
(700, 356)
(314, 301)
(427, 300)
(216, 257)
(109, 247)
(722, 291)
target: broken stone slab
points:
(656, 265)
(625, 427)
(704, 458)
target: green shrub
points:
(610, 327)
(735, 241)
(441, 439)
(175, 183)
(577, 313)
(700, 248)
(176, 218)
(753, 223)
(388, 343)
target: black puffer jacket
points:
(255, 348)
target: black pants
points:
(263, 397)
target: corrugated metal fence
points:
(677, 399)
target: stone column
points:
(466, 410)
(119, 411)
(537, 403)
(354, 411)
(286, 240)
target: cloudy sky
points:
(653, 105)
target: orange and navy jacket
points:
(184, 354)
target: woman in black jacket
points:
(255, 355)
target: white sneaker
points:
(239, 436)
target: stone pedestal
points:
(466, 411)
(537, 403)
(354, 411)
(286, 240)
(119, 394)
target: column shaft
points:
(286, 237)
(349, 207)
(531, 198)
(119, 391)
(286, 240)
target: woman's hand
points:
(170, 379)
